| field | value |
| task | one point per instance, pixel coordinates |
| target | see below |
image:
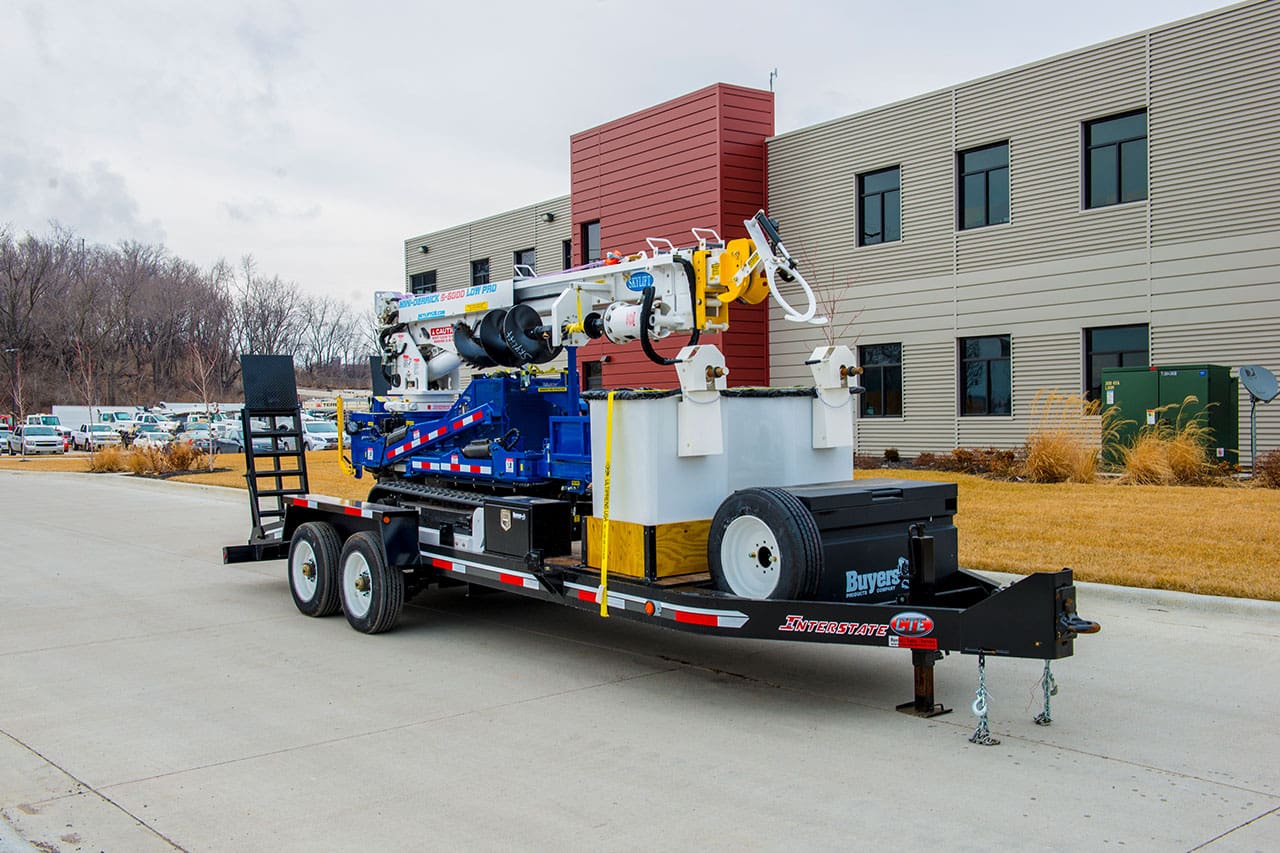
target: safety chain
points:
(982, 734)
(1050, 685)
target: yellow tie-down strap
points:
(604, 535)
(343, 461)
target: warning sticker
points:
(476, 306)
(1151, 417)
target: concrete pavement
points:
(152, 699)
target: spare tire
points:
(765, 544)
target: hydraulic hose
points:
(646, 315)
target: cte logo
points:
(911, 624)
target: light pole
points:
(17, 380)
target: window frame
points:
(879, 368)
(962, 364)
(584, 232)
(566, 254)
(592, 375)
(429, 286)
(863, 196)
(1086, 160)
(476, 273)
(962, 174)
(515, 258)
(1087, 353)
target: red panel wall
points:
(696, 161)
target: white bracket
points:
(702, 374)
(832, 368)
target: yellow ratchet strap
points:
(344, 462)
(604, 536)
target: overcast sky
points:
(318, 135)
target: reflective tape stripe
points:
(466, 567)
(420, 440)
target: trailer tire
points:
(372, 591)
(315, 543)
(765, 544)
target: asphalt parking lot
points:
(152, 699)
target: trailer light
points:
(649, 609)
(386, 519)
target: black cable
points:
(646, 314)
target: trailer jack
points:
(923, 705)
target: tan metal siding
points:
(1199, 260)
(495, 237)
(1044, 134)
(1215, 143)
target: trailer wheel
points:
(372, 591)
(764, 544)
(313, 568)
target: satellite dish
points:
(1259, 382)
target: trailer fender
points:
(396, 527)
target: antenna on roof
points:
(773, 75)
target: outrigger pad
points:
(269, 384)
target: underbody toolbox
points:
(865, 527)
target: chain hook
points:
(1050, 685)
(982, 734)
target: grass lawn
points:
(1214, 541)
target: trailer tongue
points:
(708, 509)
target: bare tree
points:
(202, 368)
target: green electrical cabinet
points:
(1144, 395)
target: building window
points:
(879, 209)
(423, 282)
(1115, 159)
(526, 258)
(1112, 346)
(984, 186)
(986, 381)
(590, 241)
(480, 271)
(566, 254)
(592, 375)
(882, 377)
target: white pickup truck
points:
(49, 421)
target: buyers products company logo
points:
(861, 585)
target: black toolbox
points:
(516, 525)
(864, 526)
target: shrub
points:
(1066, 437)
(106, 460)
(926, 460)
(1172, 453)
(184, 457)
(145, 460)
(891, 455)
(1266, 470)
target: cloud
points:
(261, 210)
(95, 201)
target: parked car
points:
(28, 439)
(5, 432)
(92, 436)
(233, 433)
(207, 439)
(320, 435)
(153, 438)
(148, 421)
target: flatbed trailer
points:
(368, 558)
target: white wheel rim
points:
(357, 600)
(303, 585)
(750, 557)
